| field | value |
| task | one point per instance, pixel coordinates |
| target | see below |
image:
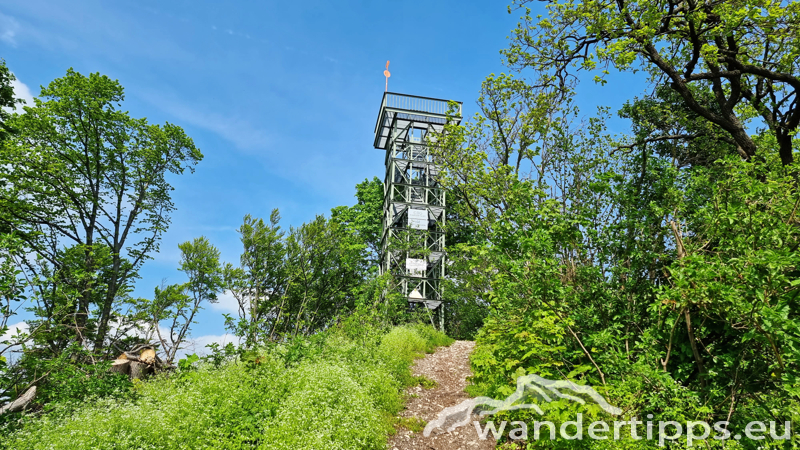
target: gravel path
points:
(449, 367)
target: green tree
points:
(728, 61)
(82, 173)
(8, 101)
(200, 263)
(259, 283)
(169, 316)
(325, 270)
(660, 270)
(294, 284)
(364, 219)
(11, 285)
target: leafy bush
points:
(702, 328)
(402, 344)
(433, 337)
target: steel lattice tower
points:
(413, 241)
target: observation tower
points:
(413, 240)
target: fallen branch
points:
(20, 403)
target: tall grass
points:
(340, 394)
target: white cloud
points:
(8, 30)
(11, 353)
(198, 345)
(7, 36)
(19, 327)
(21, 90)
(237, 130)
(226, 303)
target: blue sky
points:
(281, 97)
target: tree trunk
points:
(105, 311)
(148, 356)
(746, 146)
(785, 147)
(139, 370)
(121, 366)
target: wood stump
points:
(139, 370)
(139, 362)
(122, 366)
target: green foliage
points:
(724, 277)
(736, 286)
(425, 382)
(171, 312)
(71, 382)
(660, 271)
(294, 284)
(259, 284)
(364, 218)
(185, 364)
(404, 343)
(325, 407)
(432, 337)
(343, 394)
(7, 100)
(84, 200)
(12, 287)
(63, 383)
(85, 186)
(704, 52)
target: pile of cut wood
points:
(136, 363)
(139, 362)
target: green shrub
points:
(67, 379)
(433, 337)
(414, 424)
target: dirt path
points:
(449, 367)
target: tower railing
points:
(418, 104)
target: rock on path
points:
(449, 367)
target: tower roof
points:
(402, 109)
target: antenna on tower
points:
(387, 74)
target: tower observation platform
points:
(413, 240)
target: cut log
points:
(121, 366)
(20, 403)
(131, 356)
(139, 370)
(148, 356)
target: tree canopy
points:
(728, 61)
(85, 186)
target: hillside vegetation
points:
(337, 390)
